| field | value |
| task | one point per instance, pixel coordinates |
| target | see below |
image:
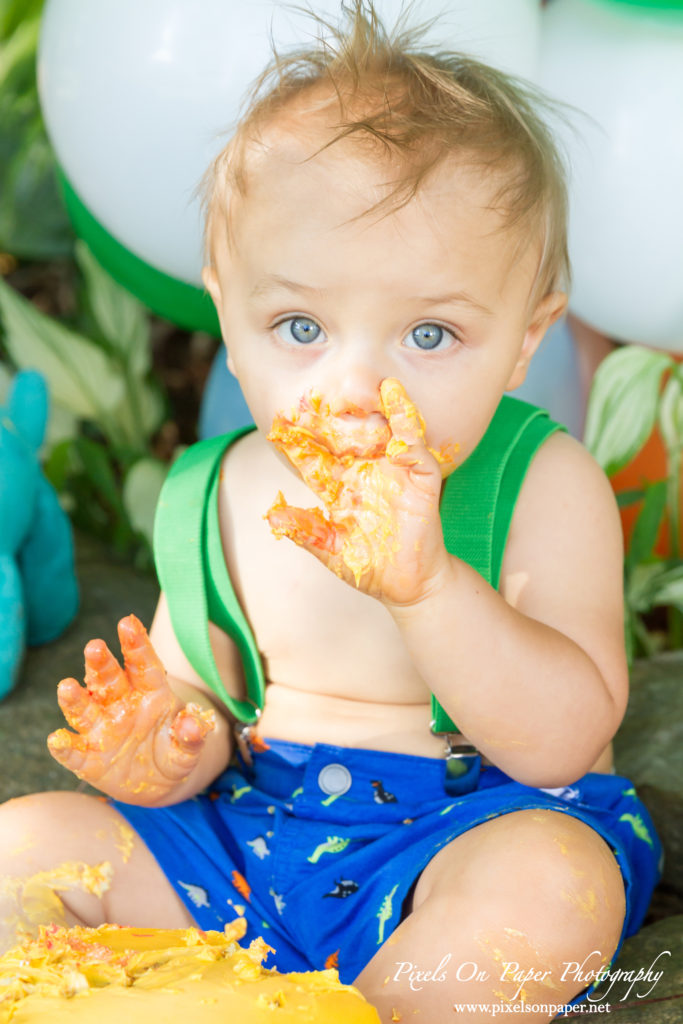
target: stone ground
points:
(648, 749)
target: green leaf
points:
(631, 497)
(671, 413)
(79, 374)
(629, 637)
(640, 584)
(667, 588)
(14, 12)
(20, 47)
(33, 219)
(120, 317)
(150, 406)
(646, 529)
(141, 490)
(62, 426)
(622, 406)
(99, 471)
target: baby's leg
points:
(67, 858)
(534, 888)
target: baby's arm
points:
(539, 679)
(149, 733)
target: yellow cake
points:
(111, 975)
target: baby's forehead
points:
(297, 169)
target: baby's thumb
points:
(191, 726)
(185, 739)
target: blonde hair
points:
(419, 106)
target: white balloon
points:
(138, 96)
(623, 66)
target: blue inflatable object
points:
(38, 589)
(223, 407)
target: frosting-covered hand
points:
(380, 485)
(134, 740)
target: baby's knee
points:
(537, 873)
(570, 860)
(572, 900)
(36, 830)
(25, 822)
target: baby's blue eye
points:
(428, 336)
(301, 329)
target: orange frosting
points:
(340, 458)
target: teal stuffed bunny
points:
(38, 589)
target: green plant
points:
(109, 406)
(634, 390)
(33, 220)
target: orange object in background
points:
(648, 466)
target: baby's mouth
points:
(365, 437)
(355, 432)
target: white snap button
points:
(334, 779)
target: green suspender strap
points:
(192, 573)
(478, 499)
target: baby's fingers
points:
(402, 415)
(68, 749)
(105, 680)
(144, 669)
(307, 527)
(78, 707)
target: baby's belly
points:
(302, 716)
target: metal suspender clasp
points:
(457, 754)
(243, 732)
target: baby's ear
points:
(210, 279)
(549, 309)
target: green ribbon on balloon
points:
(663, 5)
(183, 304)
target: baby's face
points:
(431, 295)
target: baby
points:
(374, 714)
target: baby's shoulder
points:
(566, 505)
(242, 464)
(563, 473)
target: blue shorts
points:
(319, 846)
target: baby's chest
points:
(313, 630)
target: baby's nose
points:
(354, 390)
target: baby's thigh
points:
(499, 916)
(68, 858)
(540, 872)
